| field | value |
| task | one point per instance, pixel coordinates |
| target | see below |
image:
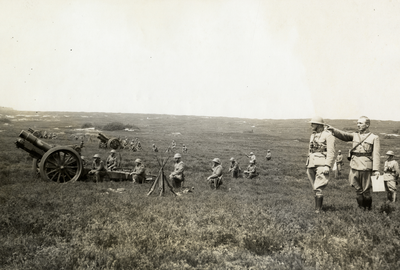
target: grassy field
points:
(263, 223)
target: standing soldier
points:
(177, 177)
(390, 176)
(173, 144)
(339, 164)
(269, 155)
(321, 155)
(98, 169)
(234, 168)
(139, 172)
(364, 159)
(215, 179)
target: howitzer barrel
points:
(35, 141)
(102, 137)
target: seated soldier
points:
(269, 155)
(98, 169)
(139, 172)
(177, 177)
(234, 168)
(215, 179)
(112, 161)
(155, 149)
(251, 170)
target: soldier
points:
(391, 173)
(177, 177)
(98, 169)
(184, 149)
(215, 179)
(251, 170)
(234, 168)
(339, 164)
(173, 144)
(155, 149)
(84, 163)
(111, 161)
(252, 157)
(269, 155)
(364, 159)
(139, 172)
(321, 154)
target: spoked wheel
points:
(35, 168)
(61, 165)
(114, 143)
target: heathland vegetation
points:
(263, 223)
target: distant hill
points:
(5, 109)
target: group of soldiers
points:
(364, 159)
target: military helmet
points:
(96, 156)
(113, 151)
(177, 155)
(82, 157)
(390, 153)
(217, 160)
(138, 160)
(232, 159)
(251, 153)
(317, 120)
(268, 150)
(339, 151)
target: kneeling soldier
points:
(177, 177)
(139, 172)
(215, 179)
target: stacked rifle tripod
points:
(161, 180)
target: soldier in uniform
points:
(155, 149)
(177, 177)
(111, 161)
(139, 172)
(339, 163)
(234, 168)
(269, 155)
(321, 155)
(252, 157)
(251, 170)
(184, 149)
(215, 179)
(98, 169)
(173, 145)
(391, 173)
(364, 159)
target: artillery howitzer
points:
(53, 163)
(105, 142)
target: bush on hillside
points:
(87, 125)
(5, 121)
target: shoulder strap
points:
(360, 141)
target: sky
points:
(264, 59)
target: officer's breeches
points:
(317, 179)
(361, 181)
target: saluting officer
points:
(321, 155)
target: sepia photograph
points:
(199, 134)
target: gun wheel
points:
(61, 165)
(114, 143)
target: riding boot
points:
(367, 203)
(360, 201)
(318, 203)
(389, 197)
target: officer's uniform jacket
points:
(321, 151)
(391, 170)
(178, 170)
(217, 171)
(366, 156)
